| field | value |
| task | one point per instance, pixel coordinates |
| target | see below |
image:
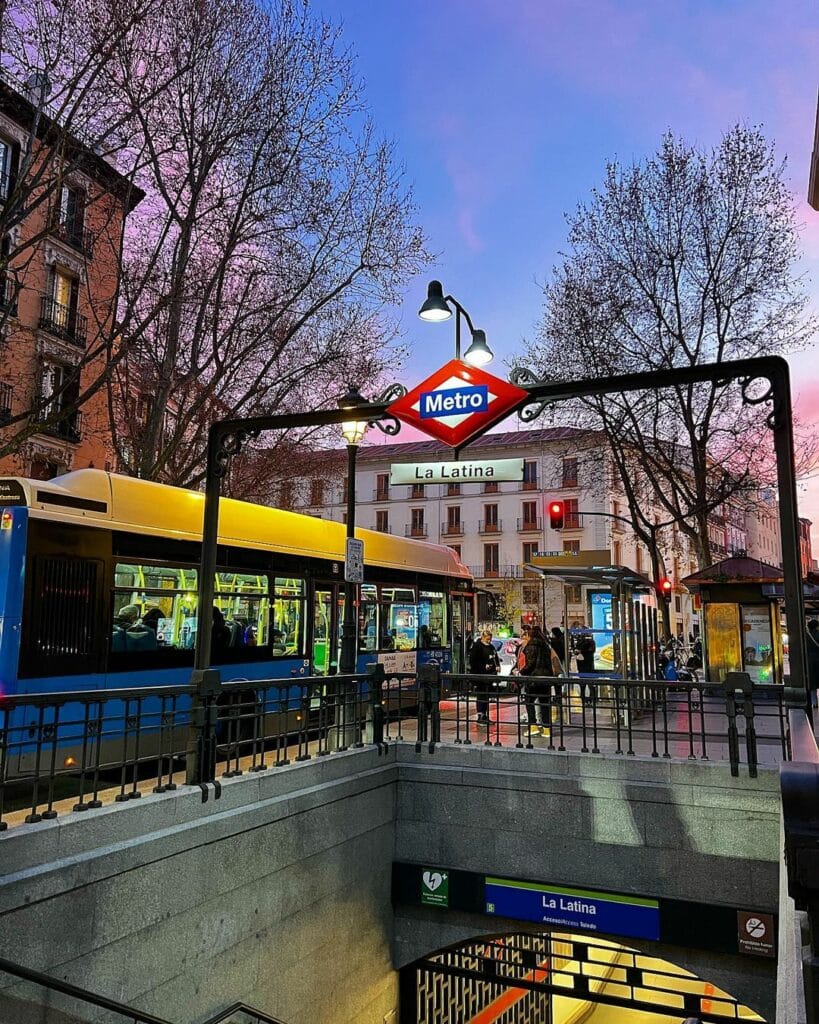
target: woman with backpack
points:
(540, 664)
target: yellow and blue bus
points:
(98, 589)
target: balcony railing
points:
(530, 485)
(452, 529)
(506, 572)
(8, 295)
(530, 525)
(416, 531)
(381, 494)
(383, 529)
(71, 230)
(6, 392)
(416, 491)
(572, 520)
(63, 321)
(453, 490)
(493, 526)
(68, 429)
(491, 487)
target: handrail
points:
(67, 989)
(803, 741)
(261, 1018)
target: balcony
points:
(8, 295)
(491, 526)
(572, 520)
(452, 529)
(68, 429)
(63, 322)
(416, 531)
(416, 492)
(499, 572)
(71, 231)
(530, 485)
(530, 525)
(381, 494)
(6, 392)
(383, 528)
(491, 487)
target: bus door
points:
(326, 625)
(462, 626)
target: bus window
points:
(398, 624)
(368, 618)
(154, 607)
(243, 600)
(432, 630)
(287, 617)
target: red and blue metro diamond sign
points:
(457, 402)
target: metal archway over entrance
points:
(557, 978)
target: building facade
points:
(58, 291)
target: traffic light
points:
(664, 588)
(556, 509)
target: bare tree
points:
(684, 259)
(276, 228)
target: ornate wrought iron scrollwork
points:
(523, 377)
(774, 417)
(389, 424)
(230, 445)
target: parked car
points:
(507, 652)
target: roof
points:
(109, 501)
(526, 439)
(607, 575)
(735, 570)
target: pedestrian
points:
(585, 653)
(813, 660)
(484, 661)
(558, 643)
(219, 636)
(540, 664)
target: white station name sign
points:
(460, 472)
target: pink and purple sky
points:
(504, 113)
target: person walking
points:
(558, 642)
(484, 661)
(540, 664)
(812, 641)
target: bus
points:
(99, 576)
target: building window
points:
(638, 559)
(417, 528)
(59, 313)
(453, 519)
(616, 552)
(68, 218)
(490, 487)
(571, 545)
(285, 498)
(529, 551)
(530, 593)
(490, 518)
(44, 469)
(529, 510)
(6, 150)
(574, 594)
(530, 475)
(59, 388)
(457, 549)
(490, 560)
(382, 487)
(571, 518)
(417, 491)
(453, 490)
(382, 522)
(570, 472)
(316, 492)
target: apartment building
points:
(58, 289)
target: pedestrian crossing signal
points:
(556, 511)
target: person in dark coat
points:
(558, 643)
(812, 642)
(540, 666)
(484, 661)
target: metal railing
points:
(381, 494)
(491, 526)
(416, 531)
(72, 231)
(506, 572)
(452, 529)
(74, 751)
(63, 321)
(67, 429)
(8, 294)
(530, 525)
(19, 998)
(6, 393)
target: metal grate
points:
(64, 607)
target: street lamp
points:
(436, 309)
(353, 432)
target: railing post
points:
(375, 716)
(429, 714)
(201, 749)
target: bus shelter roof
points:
(602, 575)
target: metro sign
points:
(457, 402)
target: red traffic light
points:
(556, 512)
(664, 588)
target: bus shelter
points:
(742, 619)
(626, 640)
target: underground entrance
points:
(557, 978)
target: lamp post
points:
(436, 309)
(353, 432)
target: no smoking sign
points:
(755, 933)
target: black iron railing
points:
(452, 529)
(67, 429)
(63, 321)
(72, 231)
(8, 294)
(6, 393)
(490, 526)
(530, 525)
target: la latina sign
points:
(447, 472)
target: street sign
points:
(457, 402)
(449, 472)
(354, 561)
